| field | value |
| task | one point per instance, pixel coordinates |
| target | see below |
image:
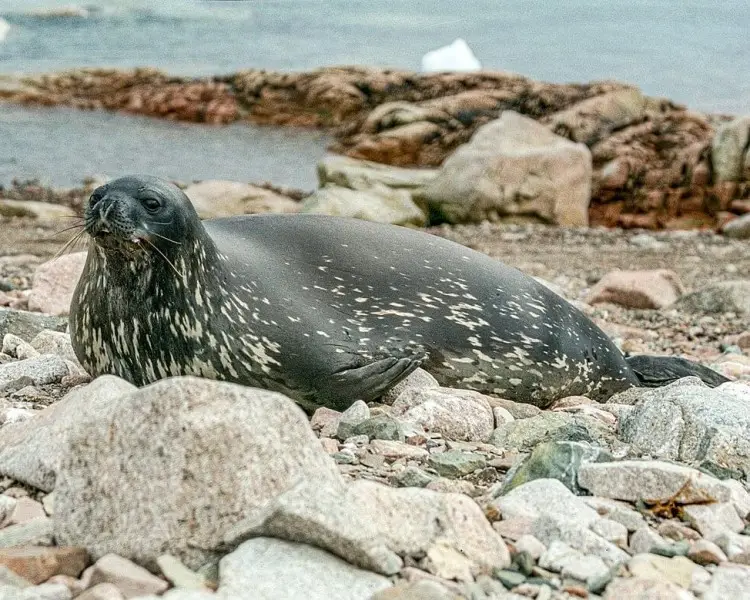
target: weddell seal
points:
(326, 310)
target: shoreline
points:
(654, 161)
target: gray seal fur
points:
(324, 309)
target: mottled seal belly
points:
(326, 310)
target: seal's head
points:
(134, 215)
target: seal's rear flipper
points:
(656, 371)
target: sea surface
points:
(695, 52)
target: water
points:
(692, 51)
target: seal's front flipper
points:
(656, 371)
(368, 381)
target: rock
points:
(518, 410)
(652, 481)
(612, 531)
(637, 289)
(544, 496)
(321, 516)
(379, 204)
(54, 342)
(350, 418)
(26, 324)
(712, 519)
(54, 284)
(738, 228)
(9, 579)
(692, 423)
(416, 590)
(216, 198)
(729, 150)
(719, 297)
(645, 540)
(593, 119)
(736, 546)
(30, 451)
(102, 591)
(381, 427)
(15, 346)
(412, 477)
(47, 368)
(524, 435)
(326, 421)
(179, 575)
(413, 520)
(678, 570)
(502, 416)
(513, 166)
(187, 440)
(38, 563)
(645, 589)
(41, 211)
(729, 581)
(26, 510)
(461, 415)
(619, 512)
(37, 532)
(549, 528)
(561, 558)
(45, 591)
(7, 507)
(556, 460)
(455, 463)
(417, 379)
(356, 174)
(130, 579)
(395, 450)
(704, 552)
(275, 568)
(739, 496)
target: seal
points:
(324, 309)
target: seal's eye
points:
(94, 200)
(151, 204)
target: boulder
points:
(378, 203)
(738, 228)
(692, 423)
(594, 119)
(41, 211)
(216, 198)
(721, 297)
(513, 166)
(54, 284)
(202, 456)
(729, 156)
(356, 174)
(637, 289)
(27, 324)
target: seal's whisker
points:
(69, 244)
(76, 226)
(165, 238)
(169, 262)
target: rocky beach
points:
(633, 208)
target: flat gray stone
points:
(545, 497)
(202, 455)
(27, 324)
(275, 569)
(616, 511)
(455, 463)
(381, 427)
(364, 174)
(713, 519)
(54, 342)
(417, 379)
(652, 481)
(321, 516)
(569, 562)
(350, 418)
(37, 532)
(47, 368)
(719, 297)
